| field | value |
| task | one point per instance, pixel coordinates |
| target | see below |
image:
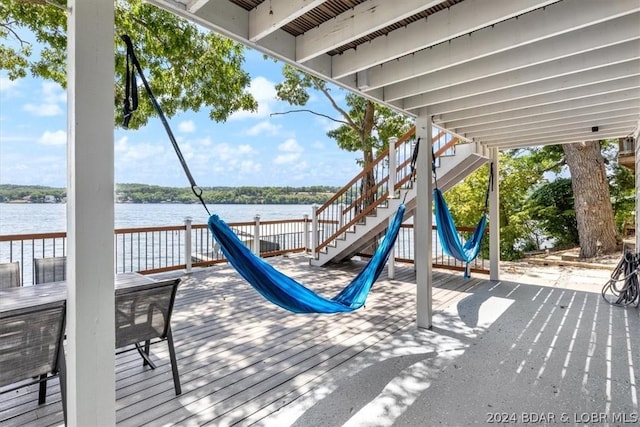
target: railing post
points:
(256, 236)
(187, 244)
(305, 231)
(392, 166)
(341, 207)
(314, 230)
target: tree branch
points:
(326, 93)
(9, 28)
(312, 112)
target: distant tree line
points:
(143, 193)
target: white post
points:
(306, 232)
(187, 244)
(90, 214)
(341, 207)
(314, 230)
(392, 166)
(256, 236)
(494, 219)
(423, 243)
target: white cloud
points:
(52, 93)
(264, 92)
(51, 96)
(291, 152)
(264, 128)
(290, 146)
(58, 137)
(245, 149)
(318, 145)
(250, 167)
(6, 84)
(187, 126)
(43, 110)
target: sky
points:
(250, 149)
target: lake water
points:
(51, 217)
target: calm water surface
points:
(51, 217)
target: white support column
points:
(187, 244)
(494, 219)
(90, 213)
(422, 223)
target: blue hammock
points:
(450, 240)
(288, 293)
(273, 285)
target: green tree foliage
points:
(621, 187)
(531, 207)
(552, 205)
(520, 170)
(187, 68)
(144, 193)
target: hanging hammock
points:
(451, 242)
(269, 282)
(291, 295)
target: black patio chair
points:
(31, 348)
(53, 269)
(143, 318)
(10, 275)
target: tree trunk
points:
(594, 214)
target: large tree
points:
(187, 67)
(594, 213)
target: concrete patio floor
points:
(540, 346)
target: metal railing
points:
(151, 250)
(156, 249)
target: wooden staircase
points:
(351, 221)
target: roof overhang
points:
(505, 73)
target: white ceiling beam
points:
(619, 130)
(471, 15)
(567, 125)
(232, 21)
(561, 67)
(583, 94)
(353, 24)
(493, 50)
(506, 118)
(271, 15)
(552, 118)
(194, 5)
(561, 83)
(564, 139)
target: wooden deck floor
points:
(244, 361)
(241, 358)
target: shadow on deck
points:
(554, 349)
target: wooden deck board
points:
(241, 358)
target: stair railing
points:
(350, 205)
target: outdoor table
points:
(41, 296)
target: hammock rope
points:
(450, 240)
(628, 292)
(272, 284)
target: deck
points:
(541, 343)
